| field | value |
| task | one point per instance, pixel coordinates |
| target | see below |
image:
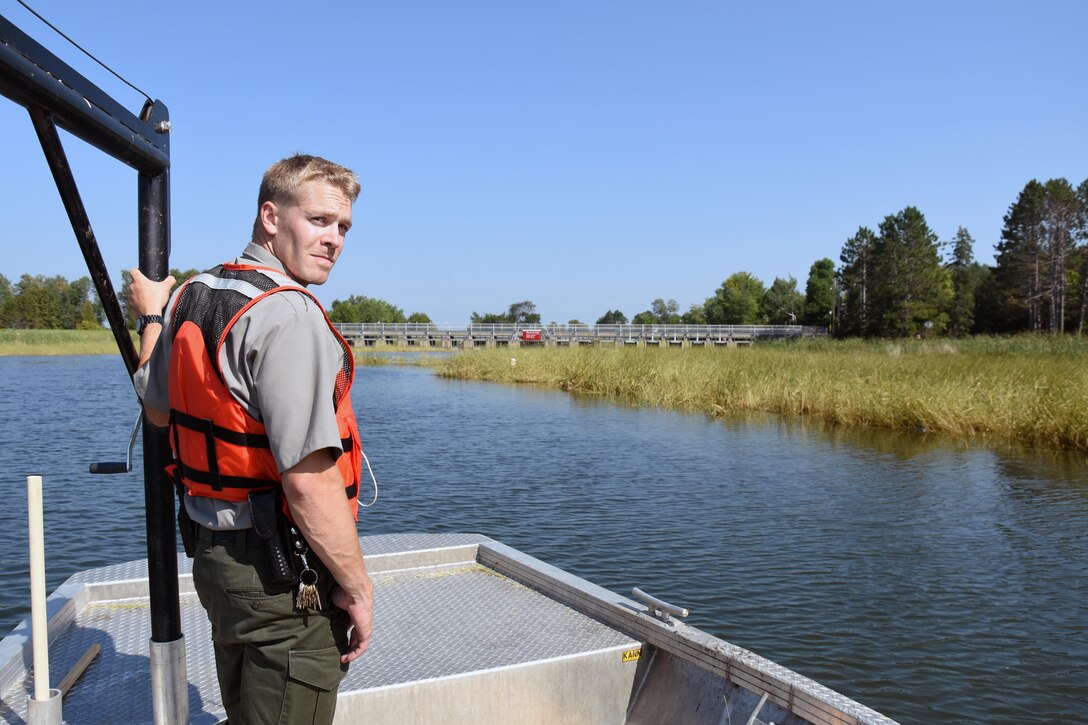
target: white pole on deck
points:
(45, 707)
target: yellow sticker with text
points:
(632, 655)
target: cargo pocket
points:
(313, 677)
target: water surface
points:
(936, 582)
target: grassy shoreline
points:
(58, 342)
(1028, 391)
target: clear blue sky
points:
(583, 155)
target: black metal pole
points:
(33, 77)
(55, 94)
(81, 225)
(154, 202)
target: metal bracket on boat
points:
(658, 608)
(121, 466)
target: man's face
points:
(308, 234)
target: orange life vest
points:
(220, 450)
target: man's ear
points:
(270, 218)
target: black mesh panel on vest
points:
(211, 309)
(343, 378)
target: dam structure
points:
(471, 335)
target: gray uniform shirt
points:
(280, 362)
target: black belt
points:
(224, 537)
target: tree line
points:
(43, 303)
(902, 280)
(897, 280)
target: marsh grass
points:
(1029, 390)
(58, 342)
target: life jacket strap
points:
(209, 429)
(218, 481)
(212, 477)
(211, 432)
(197, 476)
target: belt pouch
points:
(186, 527)
(262, 508)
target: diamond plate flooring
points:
(431, 622)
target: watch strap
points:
(144, 320)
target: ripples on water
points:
(934, 582)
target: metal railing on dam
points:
(366, 334)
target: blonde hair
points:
(283, 179)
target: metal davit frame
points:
(56, 95)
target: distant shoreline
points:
(57, 342)
(41, 343)
(1024, 390)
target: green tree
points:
(420, 318)
(783, 302)
(524, 313)
(49, 303)
(910, 284)
(519, 312)
(5, 291)
(1040, 270)
(696, 315)
(612, 317)
(78, 311)
(965, 280)
(739, 301)
(646, 317)
(489, 318)
(820, 293)
(665, 312)
(1063, 215)
(1082, 236)
(988, 306)
(35, 303)
(855, 283)
(1019, 259)
(360, 308)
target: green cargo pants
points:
(275, 665)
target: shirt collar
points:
(256, 254)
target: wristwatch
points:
(144, 320)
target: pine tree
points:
(5, 290)
(1035, 254)
(1019, 259)
(961, 316)
(910, 285)
(1081, 234)
(855, 278)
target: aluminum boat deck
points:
(467, 630)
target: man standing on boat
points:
(254, 382)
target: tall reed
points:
(1027, 390)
